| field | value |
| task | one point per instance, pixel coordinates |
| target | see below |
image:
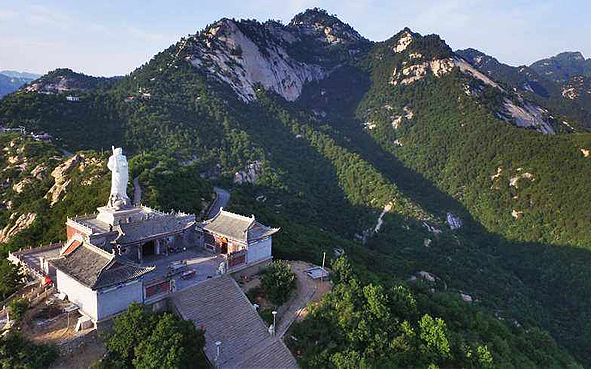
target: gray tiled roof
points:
(87, 264)
(147, 229)
(237, 227)
(223, 310)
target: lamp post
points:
(274, 322)
(217, 351)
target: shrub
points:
(18, 352)
(18, 308)
(278, 282)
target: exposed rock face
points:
(61, 84)
(403, 42)
(19, 187)
(529, 115)
(586, 152)
(465, 297)
(426, 275)
(235, 59)
(39, 171)
(61, 181)
(495, 176)
(415, 72)
(453, 221)
(578, 87)
(515, 179)
(250, 174)
(468, 69)
(431, 229)
(516, 214)
(23, 222)
(387, 208)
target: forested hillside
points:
(381, 149)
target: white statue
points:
(120, 175)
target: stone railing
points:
(75, 222)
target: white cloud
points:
(42, 16)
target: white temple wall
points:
(84, 297)
(259, 250)
(116, 299)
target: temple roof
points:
(237, 227)
(153, 228)
(96, 268)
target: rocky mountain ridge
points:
(562, 67)
(568, 97)
(64, 80)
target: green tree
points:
(18, 308)
(18, 352)
(144, 340)
(434, 344)
(10, 278)
(173, 343)
(278, 282)
(129, 330)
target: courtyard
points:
(204, 263)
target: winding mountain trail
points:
(222, 198)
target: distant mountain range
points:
(11, 81)
(561, 82)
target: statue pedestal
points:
(114, 217)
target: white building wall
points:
(259, 250)
(116, 299)
(84, 297)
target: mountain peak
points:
(334, 30)
(314, 16)
(572, 55)
(563, 66)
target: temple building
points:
(241, 240)
(124, 252)
(136, 232)
(101, 284)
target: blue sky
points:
(114, 37)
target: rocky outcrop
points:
(466, 297)
(431, 228)
(515, 179)
(23, 222)
(61, 180)
(528, 115)
(232, 57)
(380, 221)
(39, 171)
(453, 221)
(415, 72)
(403, 41)
(250, 174)
(20, 186)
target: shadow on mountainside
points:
(528, 282)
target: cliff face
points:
(232, 57)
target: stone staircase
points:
(219, 306)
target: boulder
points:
(24, 221)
